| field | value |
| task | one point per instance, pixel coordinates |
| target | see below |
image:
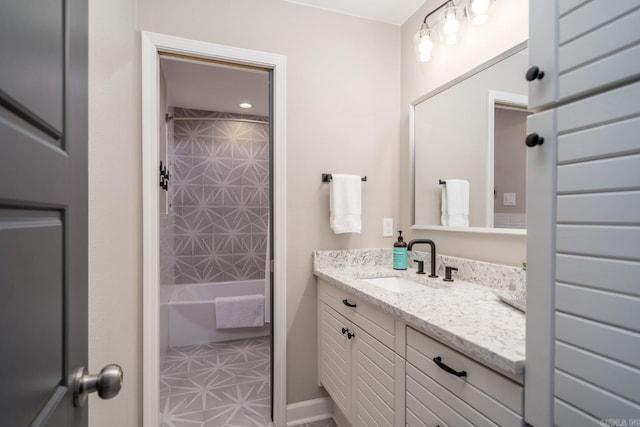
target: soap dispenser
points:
(400, 255)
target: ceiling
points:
(215, 87)
(392, 11)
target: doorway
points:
(215, 287)
(155, 129)
(506, 125)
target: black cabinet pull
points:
(438, 361)
(349, 334)
(534, 73)
(534, 139)
(347, 303)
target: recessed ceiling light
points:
(246, 105)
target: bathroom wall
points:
(508, 26)
(220, 194)
(343, 100)
(115, 208)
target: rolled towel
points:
(244, 311)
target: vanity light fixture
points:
(449, 24)
(245, 105)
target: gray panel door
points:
(43, 210)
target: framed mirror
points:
(473, 129)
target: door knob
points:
(107, 383)
(534, 73)
(534, 139)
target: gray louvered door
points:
(583, 244)
(43, 210)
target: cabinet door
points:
(541, 217)
(598, 46)
(335, 358)
(543, 48)
(374, 379)
(597, 300)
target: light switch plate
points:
(387, 227)
(509, 199)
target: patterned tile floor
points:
(218, 385)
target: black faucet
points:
(433, 253)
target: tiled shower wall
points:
(220, 197)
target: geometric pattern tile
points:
(220, 197)
(218, 384)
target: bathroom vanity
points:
(437, 354)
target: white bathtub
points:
(192, 315)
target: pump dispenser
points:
(400, 255)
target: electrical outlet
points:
(387, 227)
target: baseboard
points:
(309, 411)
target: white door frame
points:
(152, 45)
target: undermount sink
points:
(395, 284)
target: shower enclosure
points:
(214, 236)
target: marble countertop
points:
(466, 316)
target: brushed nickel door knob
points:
(107, 383)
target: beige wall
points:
(343, 95)
(115, 208)
(507, 27)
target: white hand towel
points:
(345, 203)
(240, 311)
(456, 203)
(444, 217)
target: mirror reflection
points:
(474, 130)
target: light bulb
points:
(449, 24)
(423, 44)
(477, 11)
(424, 48)
(479, 6)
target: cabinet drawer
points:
(426, 396)
(377, 323)
(495, 396)
(418, 415)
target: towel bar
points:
(326, 177)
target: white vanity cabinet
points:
(358, 364)
(583, 187)
(446, 388)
